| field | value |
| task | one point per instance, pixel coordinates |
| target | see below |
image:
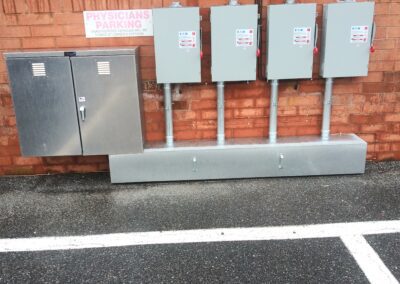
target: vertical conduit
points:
(273, 113)
(169, 131)
(221, 117)
(326, 117)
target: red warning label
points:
(187, 39)
(302, 35)
(244, 37)
(359, 34)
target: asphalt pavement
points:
(87, 204)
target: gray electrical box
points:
(78, 102)
(177, 44)
(234, 42)
(346, 39)
(290, 41)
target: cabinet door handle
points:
(82, 110)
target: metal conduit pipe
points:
(220, 111)
(273, 113)
(169, 130)
(326, 116)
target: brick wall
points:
(368, 106)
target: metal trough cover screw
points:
(194, 169)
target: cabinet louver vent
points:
(103, 68)
(38, 69)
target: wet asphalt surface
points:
(62, 205)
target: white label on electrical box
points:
(187, 39)
(302, 35)
(359, 34)
(244, 37)
(82, 99)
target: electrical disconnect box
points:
(234, 42)
(346, 40)
(80, 102)
(290, 41)
(177, 44)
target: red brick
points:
(27, 161)
(151, 105)
(369, 138)
(387, 20)
(72, 42)
(389, 137)
(5, 161)
(44, 42)
(382, 147)
(38, 6)
(184, 115)
(9, 6)
(44, 31)
(287, 131)
(155, 136)
(187, 135)
(34, 19)
(393, 32)
(54, 169)
(9, 151)
(59, 160)
(19, 170)
(385, 156)
(74, 30)
(392, 117)
(378, 87)
(82, 168)
(10, 43)
(304, 100)
(209, 114)
(68, 18)
(250, 132)
(14, 31)
(203, 104)
(249, 112)
(373, 128)
(239, 103)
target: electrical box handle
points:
(82, 110)
(315, 50)
(258, 40)
(201, 43)
(373, 33)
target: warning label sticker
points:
(302, 35)
(359, 34)
(244, 37)
(187, 39)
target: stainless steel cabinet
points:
(44, 104)
(82, 102)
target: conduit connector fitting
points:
(233, 3)
(175, 4)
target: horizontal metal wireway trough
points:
(242, 158)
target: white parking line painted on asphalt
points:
(368, 260)
(200, 236)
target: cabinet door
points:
(44, 102)
(107, 102)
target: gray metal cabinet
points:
(290, 40)
(346, 39)
(177, 44)
(234, 38)
(106, 95)
(82, 102)
(44, 104)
